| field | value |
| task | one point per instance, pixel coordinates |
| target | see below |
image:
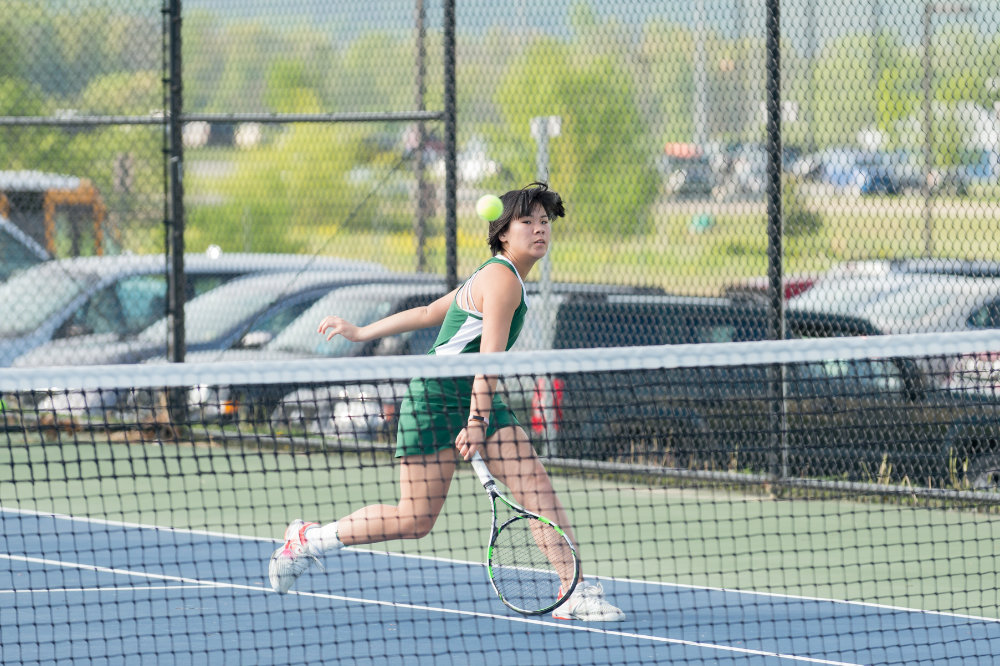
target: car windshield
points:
(358, 305)
(215, 313)
(31, 297)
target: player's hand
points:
(333, 326)
(469, 440)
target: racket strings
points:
(527, 558)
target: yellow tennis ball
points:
(489, 207)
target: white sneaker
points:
(587, 604)
(292, 559)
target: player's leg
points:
(424, 481)
(424, 484)
(512, 459)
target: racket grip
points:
(482, 470)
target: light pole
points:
(930, 9)
(700, 110)
(420, 223)
(544, 128)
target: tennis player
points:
(438, 416)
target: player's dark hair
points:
(518, 203)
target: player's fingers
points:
(470, 451)
(329, 322)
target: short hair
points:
(518, 203)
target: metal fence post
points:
(776, 319)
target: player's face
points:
(528, 236)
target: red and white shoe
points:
(587, 604)
(292, 559)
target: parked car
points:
(360, 304)
(244, 313)
(844, 419)
(848, 293)
(908, 302)
(118, 294)
(686, 170)
(17, 250)
(310, 408)
(875, 174)
(860, 172)
(948, 266)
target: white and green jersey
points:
(435, 410)
(462, 330)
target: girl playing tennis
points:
(437, 416)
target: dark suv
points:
(873, 419)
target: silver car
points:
(119, 294)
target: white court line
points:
(431, 558)
(433, 609)
(107, 588)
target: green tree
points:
(598, 162)
(842, 96)
(27, 147)
(667, 50)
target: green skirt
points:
(434, 411)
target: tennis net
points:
(806, 501)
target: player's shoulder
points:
(499, 281)
(499, 271)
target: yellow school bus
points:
(63, 214)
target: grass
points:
(676, 254)
(681, 258)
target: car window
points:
(281, 316)
(589, 324)
(101, 313)
(721, 324)
(30, 298)
(421, 341)
(219, 311)
(846, 378)
(199, 284)
(14, 256)
(360, 307)
(143, 300)
(987, 316)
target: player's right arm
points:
(401, 322)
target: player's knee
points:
(420, 526)
(423, 526)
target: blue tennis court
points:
(78, 590)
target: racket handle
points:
(482, 470)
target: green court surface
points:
(897, 555)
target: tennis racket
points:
(529, 556)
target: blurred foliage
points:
(620, 91)
(798, 219)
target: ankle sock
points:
(323, 539)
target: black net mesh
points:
(831, 501)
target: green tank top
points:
(434, 410)
(462, 330)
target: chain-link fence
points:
(321, 130)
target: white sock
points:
(323, 539)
